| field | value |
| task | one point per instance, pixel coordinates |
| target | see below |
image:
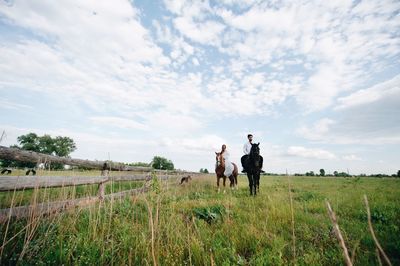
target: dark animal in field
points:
(30, 171)
(252, 165)
(220, 170)
(186, 179)
(6, 171)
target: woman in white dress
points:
(228, 164)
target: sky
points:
(316, 82)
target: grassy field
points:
(194, 225)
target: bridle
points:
(218, 159)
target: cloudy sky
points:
(317, 83)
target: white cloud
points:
(195, 61)
(316, 131)
(253, 81)
(389, 88)
(206, 32)
(174, 6)
(351, 157)
(5, 104)
(206, 144)
(192, 23)
(180, 49)
(260, 19)
(352, 130)
(368, 116)
(173, 124)
(240, 3)
(300, 151)
(109, 24)
(132, 68)
(341, 43)
(101, 57)
(254, 94)
(118, 122)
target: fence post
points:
(101, 192)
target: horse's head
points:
(254, 155)
(218, 159)
(255, 150)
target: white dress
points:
(228, 164)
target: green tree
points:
(321, 172)
(63, 146)
(29, 142)
(162, 163)
(59, 146)
(398, 173)
(46, 145)
(341, 174)
(203, 171)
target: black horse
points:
(253, 165)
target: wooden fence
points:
(14, 183)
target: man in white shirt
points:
(246, 150)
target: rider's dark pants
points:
(243, 160)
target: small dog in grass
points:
(186, 179)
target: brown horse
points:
(220, 169)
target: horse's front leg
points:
(224, 183)
(250, 178)
(218, 183)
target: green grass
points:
(195, 226)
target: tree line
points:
(344, 174)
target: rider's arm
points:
(245, 149)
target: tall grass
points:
(194, 225)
